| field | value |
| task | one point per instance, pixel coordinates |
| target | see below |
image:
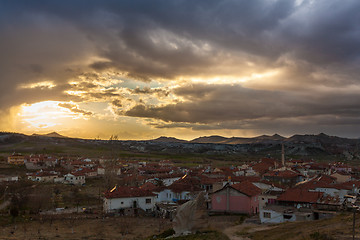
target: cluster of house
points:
(62, 170)
(275, 190)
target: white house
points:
(279, 214)
(4, 178)
(126, 199)
(166, 180)
(167, 195)
(74, 178)
(177, 192)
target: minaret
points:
(282, 155)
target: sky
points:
(141, 69)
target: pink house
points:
(238, 198)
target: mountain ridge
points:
(52, 134)
(275, 138)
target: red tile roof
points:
(245, 179)
(300, 195)
(351, 184)
(127, 192)
(326, 181)
(247, 188)
(282, 174)
(208, 180)
(77, 173)
(263, 167)
(148, 186)
(186, 183)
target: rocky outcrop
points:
(191, 216)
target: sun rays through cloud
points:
(180, 68)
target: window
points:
(122, 202)
(267, 215)
(148, 200)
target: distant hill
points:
(238, 140)
(210, 139)
(276, 138)
(52, 134)
(168, 140)
(310, 146)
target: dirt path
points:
(236, 232)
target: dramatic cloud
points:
(216, 103)
(75, 109)
(201, 65)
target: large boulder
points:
(191, 216)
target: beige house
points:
(341, 178)
(16, 159)
(43, 176)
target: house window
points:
(148, 200)
(122, 202)
(267, 215)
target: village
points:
(268, 191)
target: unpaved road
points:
(235, 232)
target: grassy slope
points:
(339, 227)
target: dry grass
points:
(339, 227)
(108, 228)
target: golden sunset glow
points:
(189, 69)
(44, 84)
(46, 115)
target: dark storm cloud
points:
(315, 44)
(329, 31)
(216, 103)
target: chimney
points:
(282, 155)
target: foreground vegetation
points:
(339, 227)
